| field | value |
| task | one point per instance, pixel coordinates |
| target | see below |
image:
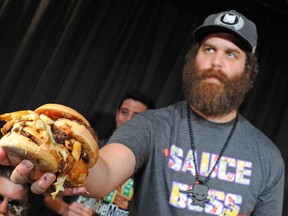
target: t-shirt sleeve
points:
(270, 201)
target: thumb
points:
(74, 191)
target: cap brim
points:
(201, 32)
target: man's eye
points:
(124, 112)
(209, 50)
(231, 55)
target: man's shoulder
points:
(262, 141)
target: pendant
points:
(198, 194)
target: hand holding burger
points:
(56, 139)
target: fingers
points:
(21, 172)
(3, 158)
(43, 184)
(74, 191)
(80, 190)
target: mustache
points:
(212, 73)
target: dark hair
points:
(251, 66)
(138, 95)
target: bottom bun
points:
(18, 147)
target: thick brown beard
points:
(213, 99)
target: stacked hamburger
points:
(56, 138)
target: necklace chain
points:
(194, 152)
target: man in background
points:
(14, 198)
(132, 103)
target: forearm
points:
(116, 164)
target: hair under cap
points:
(229, 22)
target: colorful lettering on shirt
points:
(229, 170)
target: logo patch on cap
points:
(230, 20)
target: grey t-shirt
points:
(249, 178)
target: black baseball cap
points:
(229, 22)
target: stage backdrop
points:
(87, 53)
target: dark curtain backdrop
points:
(87, 53)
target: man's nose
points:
(217, 61)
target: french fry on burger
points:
(56, 138)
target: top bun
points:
(56, 111)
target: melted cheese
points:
(48, 133)
(76, 151)
(46, 119)
(59, 185)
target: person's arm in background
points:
(59, 206)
